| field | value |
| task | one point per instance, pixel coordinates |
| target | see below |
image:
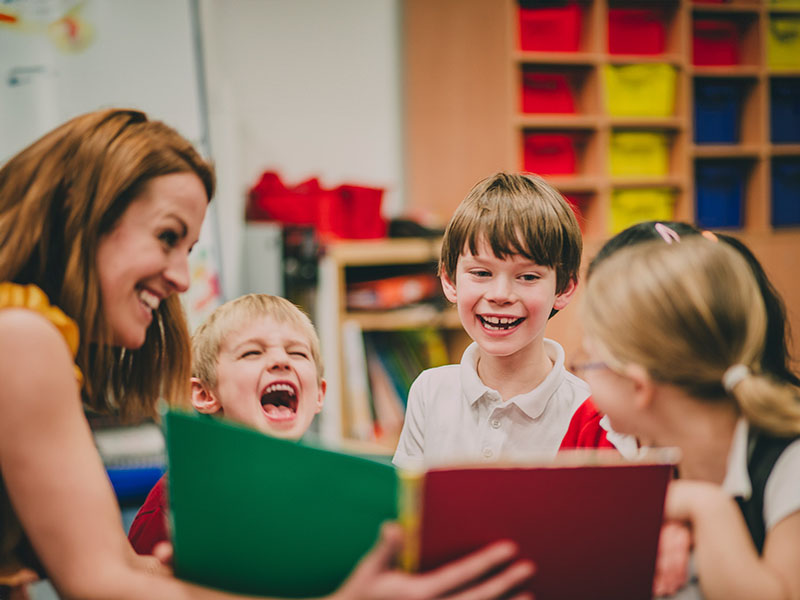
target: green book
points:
(257, 515)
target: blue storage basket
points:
(786, 191)
(719, 192)
(717, 110)
(785, 110)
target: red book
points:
(590, 521)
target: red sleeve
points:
(584, 429)
(150, 524)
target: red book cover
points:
(591, 529)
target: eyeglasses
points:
(581, 363)
(579, 368)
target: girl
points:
(97, 219)
(675, 335)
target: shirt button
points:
(487, 453)
(496, 423)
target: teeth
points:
(279, 387)
(499, 320)
(149, 299)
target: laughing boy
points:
(255, 361)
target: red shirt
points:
(584, 429)
(150, 524)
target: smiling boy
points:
(510, 259)
(255, 361)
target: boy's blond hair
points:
(235, 314)
(517, 214)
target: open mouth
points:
(279, 401)
(500, 323)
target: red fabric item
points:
(546, 93)
(636, 30)
(556, 29)
(550, 153)
(149, 527)
(715, 42)
(584, 429)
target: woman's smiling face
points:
(145, 257)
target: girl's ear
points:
(643, 386)
(448, 287)
(203, 399)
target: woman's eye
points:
(169, 238)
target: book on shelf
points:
(258, 515)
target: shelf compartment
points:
(413, 317)
(718, 110)
(728, 151)
(557, 90)
(783, 41)
(550, 27)
(640, 90)
(719, 192)
(785, 110)
(634, 205)
(785, 183)
(636, 154)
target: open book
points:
(258, 515)
(589, 520)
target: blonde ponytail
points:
(768, 404)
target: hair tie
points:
(667, 233)
(733, 376)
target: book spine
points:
(409, 513)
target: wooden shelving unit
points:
(332, 313)
(469, 94)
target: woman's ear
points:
(203, 398)
(448, 287)
(643, 386)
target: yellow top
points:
(15, 551)
(13, 295)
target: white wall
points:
(306, 88)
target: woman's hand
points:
(375, 578)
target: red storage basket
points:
(550, 29)
(636, 31)
(546, 93)
(715, 42)
(351, 212)
(550, 153)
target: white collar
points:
(532, 403)
(737, 479)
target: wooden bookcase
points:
(464, 121)
(339, 261)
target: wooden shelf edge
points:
(405, 318)
(560, 58)
(384, 251)
(727, 151)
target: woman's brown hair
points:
(58, 197)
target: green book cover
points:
(258, 515)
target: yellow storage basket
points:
(783, 41)
(646, 90)
(629, 207)
(639, 153)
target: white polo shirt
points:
(452, 417)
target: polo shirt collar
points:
(532, 403)
(737, 479)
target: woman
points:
(97, 219)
